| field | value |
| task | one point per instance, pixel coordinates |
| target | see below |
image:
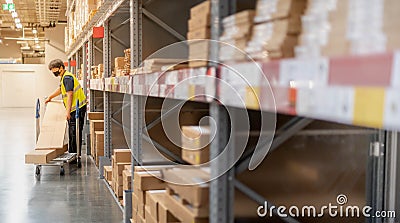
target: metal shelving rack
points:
(382, 156)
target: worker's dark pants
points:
(72, 129)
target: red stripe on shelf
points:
(372, 70)
(271, 71)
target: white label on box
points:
(163, 88)
(153, 91)
(304, 72)
(392, 109)
(181, 91)
(396, 70)
(171, 77)
(151, 79)
(314, 103)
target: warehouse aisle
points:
(79, 196)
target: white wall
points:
(18, 80)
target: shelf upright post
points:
(89, 74)
(392, 160)
(221, 188)
(137, 103)
(137, 107)
(375, 174)
(106, 160)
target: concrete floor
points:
(79, 196)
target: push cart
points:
(64, 158)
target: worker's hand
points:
(47, 100)
(68, 116)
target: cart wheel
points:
(37, 171)
(62, 171)
(79, 163)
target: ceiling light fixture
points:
(14, 14)
(17, 20)
(18, 26)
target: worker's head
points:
(57, 67)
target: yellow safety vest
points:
(78, 94)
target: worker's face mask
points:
(57, 73)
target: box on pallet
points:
(195, 144)
(107, 173)
(126, 179)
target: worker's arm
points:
(53, 95)
(69, 104)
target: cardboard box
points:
(126, 179)
(122, 155)
(164, 215)
(149, 217)
(95, 115)
(148, 181)
(245, 16)
(141, 219)
(203, 33)
(153, 198)
(284, 9)
(196, 157)
(53, 128)
(119, 62)
(201, 10)
(107, 173)
(199, 23)
(195, 144)
(117, 189)
(195, 189)
(193, 64)
(117, 173)
(61, 151)
(140, 195)
(184, 213)
(40, 156)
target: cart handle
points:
(77, 110)
(38, 108)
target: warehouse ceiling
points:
(35, 16)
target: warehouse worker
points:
(71, 91)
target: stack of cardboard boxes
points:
(98, 71)
(78, 19)
(145, 180)
(346, 27)
(237, 32)
(196, 144)
(120, 159)
(51, 142)
(276, 30)
(127, 60)
(199, 28)
(96, 122)
(119, 66)
(187, 193)
(122, 65)
(108, 174)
